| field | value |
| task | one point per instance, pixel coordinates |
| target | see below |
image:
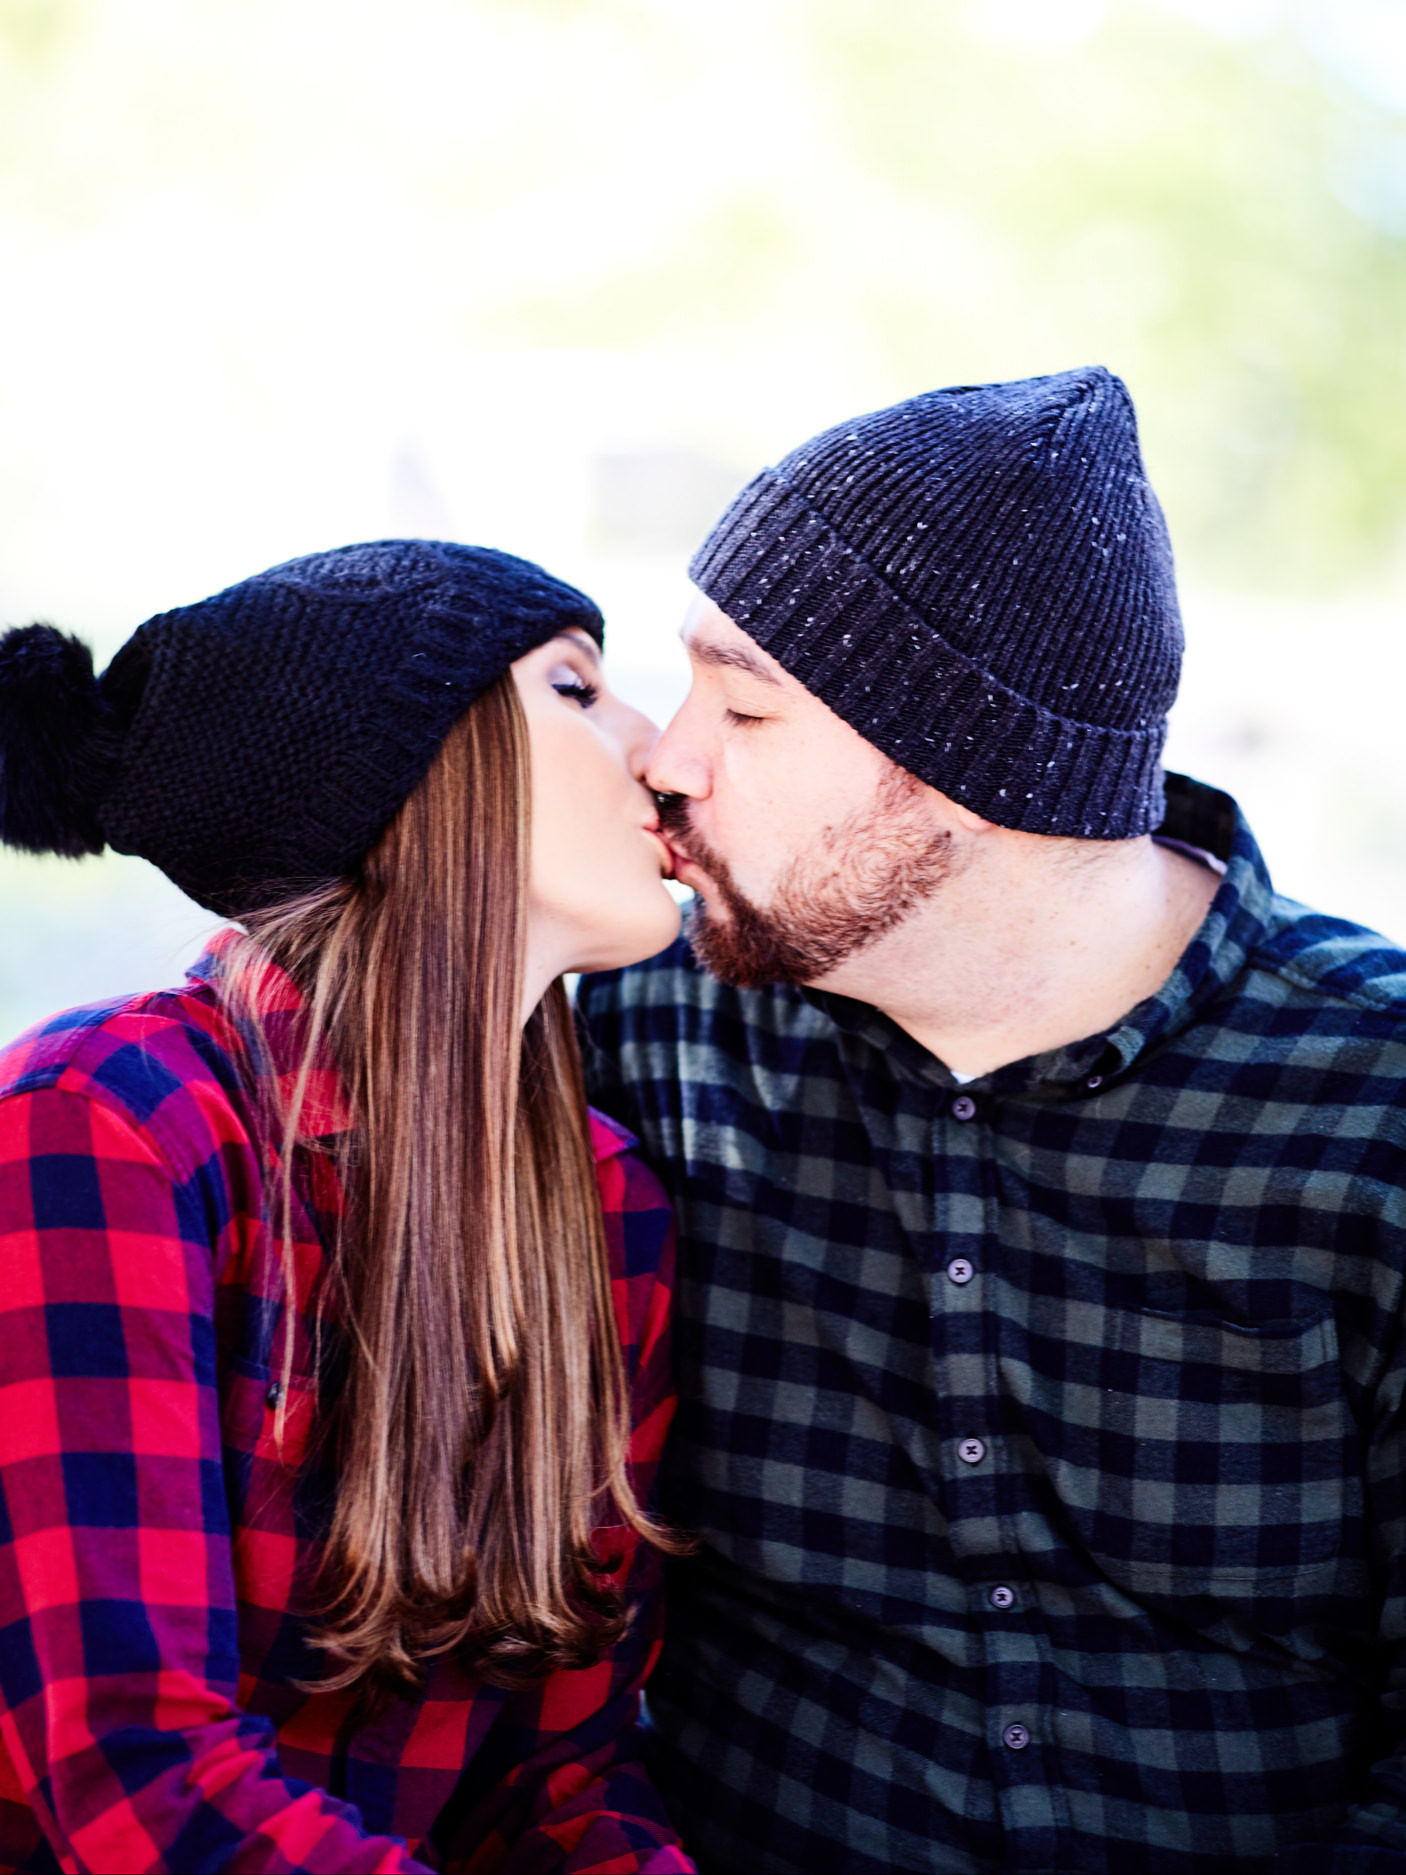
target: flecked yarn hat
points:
(979, 581)
(258, 743)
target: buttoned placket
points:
(950, 1213)
(964, 1291)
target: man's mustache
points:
(674, 819)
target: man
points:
(1039, 1177)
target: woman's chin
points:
(633, 938)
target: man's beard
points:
(866, 877)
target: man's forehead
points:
(711, 637)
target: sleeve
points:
(118, 1621)
(1371, 1840)
(562, 1782)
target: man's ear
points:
(967, 820)
(951, 814)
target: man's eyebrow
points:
(730, 657)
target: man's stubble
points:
(864, 878)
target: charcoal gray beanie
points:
(979, 581)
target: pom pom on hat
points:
(56, 743)
(257, 743)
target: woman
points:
(333, 1370)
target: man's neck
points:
(1026, 951)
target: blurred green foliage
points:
(1198, 210)
(29, 28)
(255, 253)
(1219, 219)
(911, 192)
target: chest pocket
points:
(262, 1477)
(1217, 1460)
(250, 1396)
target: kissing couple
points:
(998, 1186)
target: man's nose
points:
(675, 765)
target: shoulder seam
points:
(100, 1097)
(1361, 998)
(54, 1077)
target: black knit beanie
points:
(257, 744)
(979, 581)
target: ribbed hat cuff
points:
(778, 569)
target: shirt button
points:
(1016, 1736)
(964, 1107)
(960, 1270)
(1002, 1597)
(275, 1393)
(971, 1451)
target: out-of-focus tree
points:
(1220, 218)
(31, 27)
(902, 193)
(261, 262)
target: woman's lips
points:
(668, 856)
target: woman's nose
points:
(638, 735)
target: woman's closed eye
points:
(577, 687)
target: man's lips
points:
(683, 864)
(678, 857)
(679, 861)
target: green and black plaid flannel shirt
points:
(1044, 1435)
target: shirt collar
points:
(279, 1040)
(1201, 817)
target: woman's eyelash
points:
(743, 722)
(584, 693)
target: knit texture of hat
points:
(258, 743)
(979, 581)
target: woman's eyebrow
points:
(583, 641)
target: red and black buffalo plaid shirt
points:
(156, 1539)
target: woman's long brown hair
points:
(482, 1431)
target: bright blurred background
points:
(558, 275)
